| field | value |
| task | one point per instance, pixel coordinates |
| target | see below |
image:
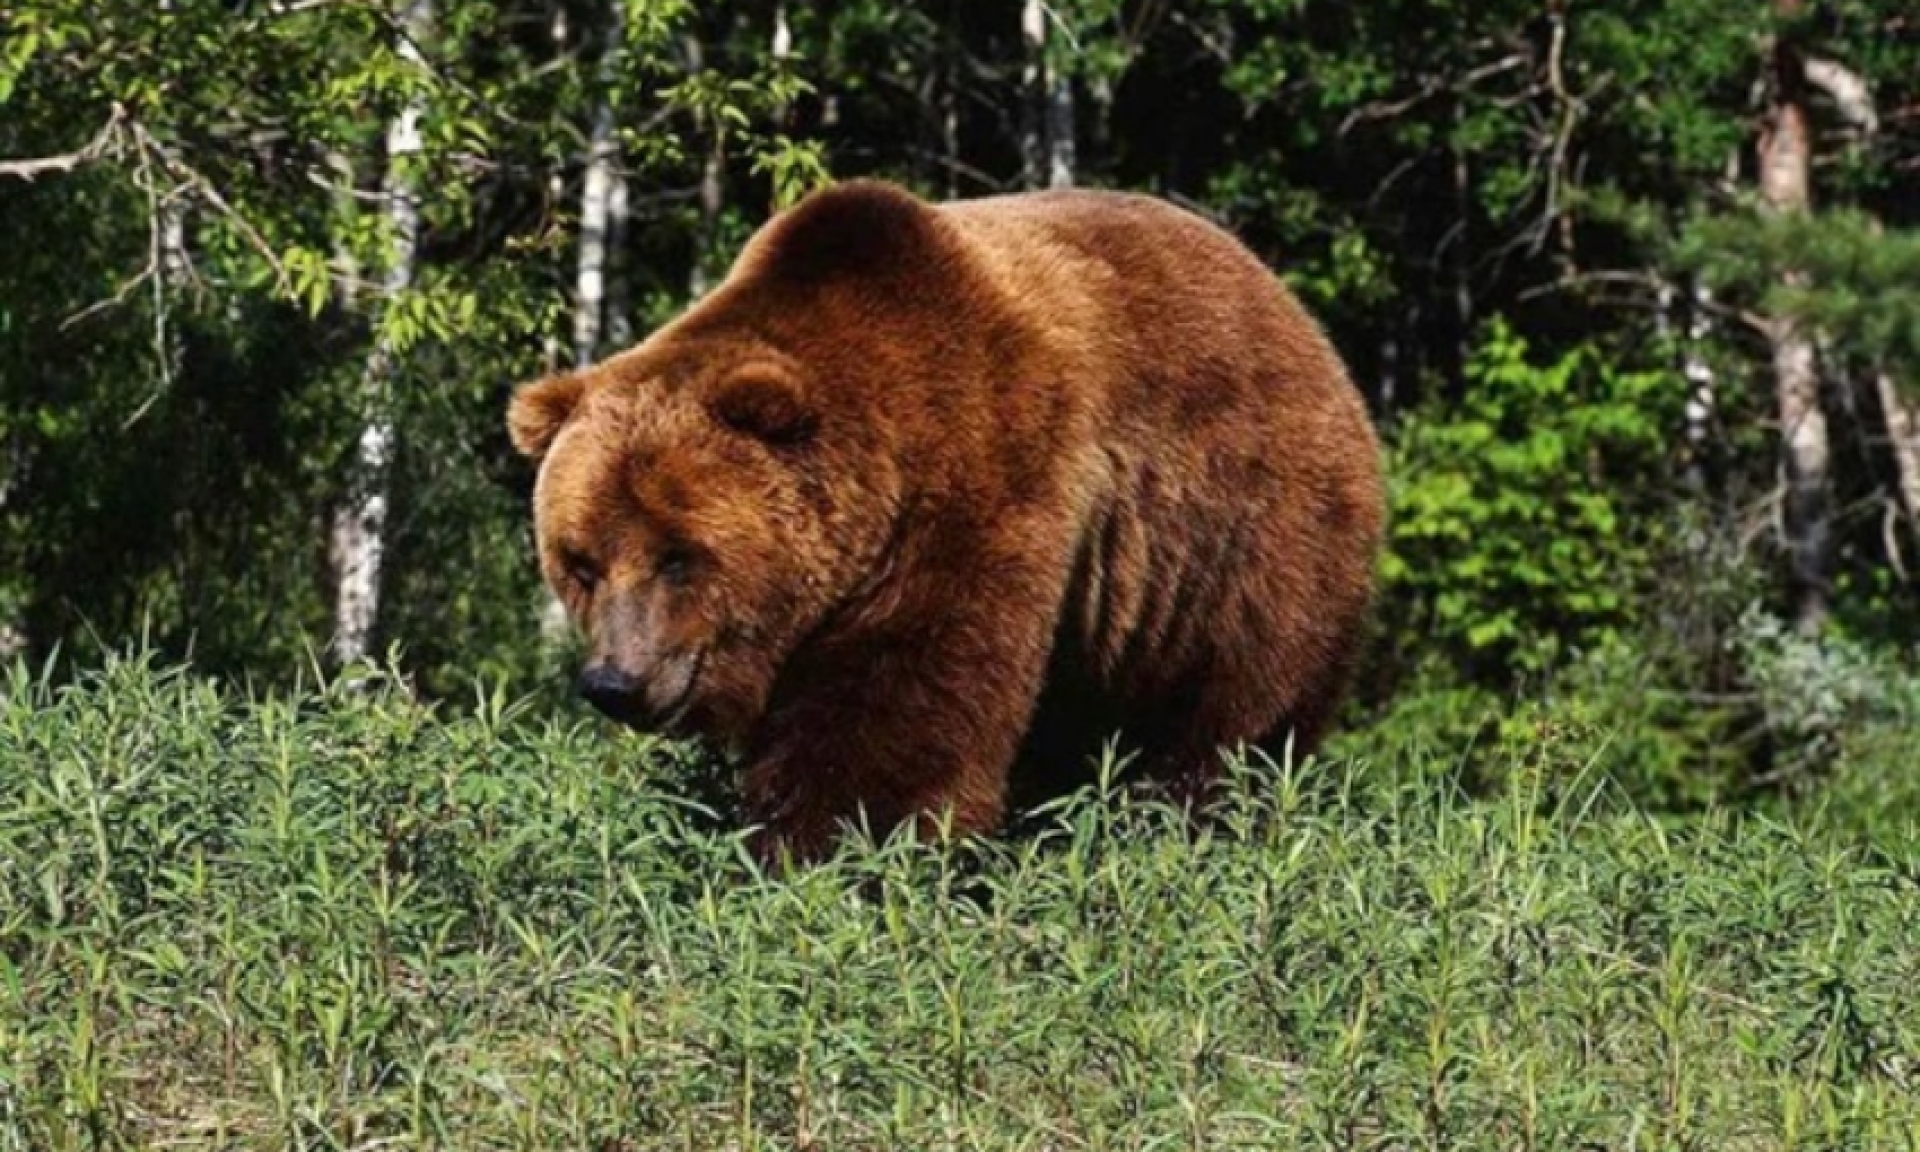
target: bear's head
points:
(713, 498)
(699, 514)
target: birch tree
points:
(713, 174)
(601, 194)
(359, 536)
(1047, 144)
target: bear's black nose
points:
(611, 691)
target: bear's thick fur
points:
(924, 502)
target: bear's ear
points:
(539, 410)
(860, 228)
(765, 406)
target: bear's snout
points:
(655, 700)
(611, 690)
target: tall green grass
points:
(337, 919)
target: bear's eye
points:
(766, 409)
(676, 565)
(582, 571)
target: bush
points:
(1520, 527)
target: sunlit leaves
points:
(795, 167)
(434, 310)
(309, 277)
(1513, 526)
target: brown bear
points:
(925, 502)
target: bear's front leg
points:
(918, 720)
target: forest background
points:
(302, 844)
(1633, 291)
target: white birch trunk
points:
(712, 190)
(1702, 403)
(1047, 127)
(1061, 159)
(1389, 378)
(596, 204)
(950, 122)
(1033, 76)
(359, 537)
(1463, 237)
(712, 201)
(617, 322)
(782, 34)
(553, 349)
(174, 268)
(1786, 162)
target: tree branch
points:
(102, 143)
(1431, 87)
(1848, 90)
(191, 176)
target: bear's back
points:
(1181, 323)
(1238, 471)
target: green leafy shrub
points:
(1607, 721)
(1521, 525)
(1752, 712)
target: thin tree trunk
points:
(1389, 394)
(1903, 435)
(597, 302)
(713, 172)
(553, 350)
(596, 203)
(174, 262)
(782, 34)
(782, 52)
(174, 267)
(1047, 122)
(1033, 120)
(1702, 400)
(1853, 98)
(359, 538)
(1061, 157)
(617, 320)
(950, 112)
(1786, 161)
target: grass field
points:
(339, 920)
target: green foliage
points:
(794, 167)
(1834, 700)
(337, 918)
(1520, 523)
(1855, 282)
(1705, 698)
(170, 450)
